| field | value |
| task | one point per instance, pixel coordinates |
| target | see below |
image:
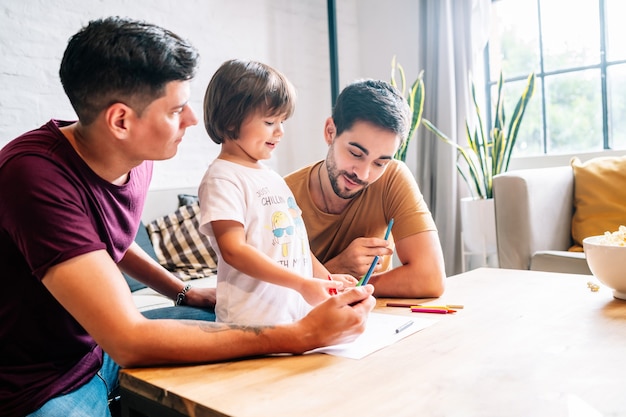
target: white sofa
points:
(533, 209)
(160, 203)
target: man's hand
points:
(358, 256)
(340, 319)
(347, 280)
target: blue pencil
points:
(367, 276)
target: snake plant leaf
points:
(516, 119)
(397, 67)
(488, 152)
(499, 116)
(474, 171)
(415, 100)
(479, 143)
(416, 104)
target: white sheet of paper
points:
(379, 333)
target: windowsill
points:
(545, 161)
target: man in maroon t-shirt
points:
(72, 197)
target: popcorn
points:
(617, 238)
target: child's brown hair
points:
(241, 88)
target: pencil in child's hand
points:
(332, 291)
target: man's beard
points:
(334, 174)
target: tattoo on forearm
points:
(211, 327)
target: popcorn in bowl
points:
(606, 257)
(617, 238)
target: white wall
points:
(290, 35)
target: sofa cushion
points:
(599, 197)
(187, 199)
(179, 245)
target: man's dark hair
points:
(374, 101)
(240, 88)
(116, 59)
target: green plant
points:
(415, 100)
(488, 153)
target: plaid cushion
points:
(179, 245)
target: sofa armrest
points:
(533, 209)
(560, 261)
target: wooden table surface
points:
(526, 344)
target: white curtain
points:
(453, 36)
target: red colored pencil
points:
(332, 291)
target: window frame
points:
(541, 75)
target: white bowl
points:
(607, 264)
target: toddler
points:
(265, 266)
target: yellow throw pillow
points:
(599, 197)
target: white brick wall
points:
(288, 34)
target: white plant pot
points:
(478, 226)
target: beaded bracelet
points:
(181, 295)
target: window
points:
(575, 48)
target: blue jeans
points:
(182, 313)
(92, 398)
(89, 400)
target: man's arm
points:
(420, 275)
(104, 307)
(422, 270)
(138, 264)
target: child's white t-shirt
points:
(262, 202)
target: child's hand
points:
(347, 280)
(316, 290)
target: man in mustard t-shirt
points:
(349, 198)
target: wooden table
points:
(526, 344)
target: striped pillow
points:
(179, 245)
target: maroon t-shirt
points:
(53, 207)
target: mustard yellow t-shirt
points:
(394, 195)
